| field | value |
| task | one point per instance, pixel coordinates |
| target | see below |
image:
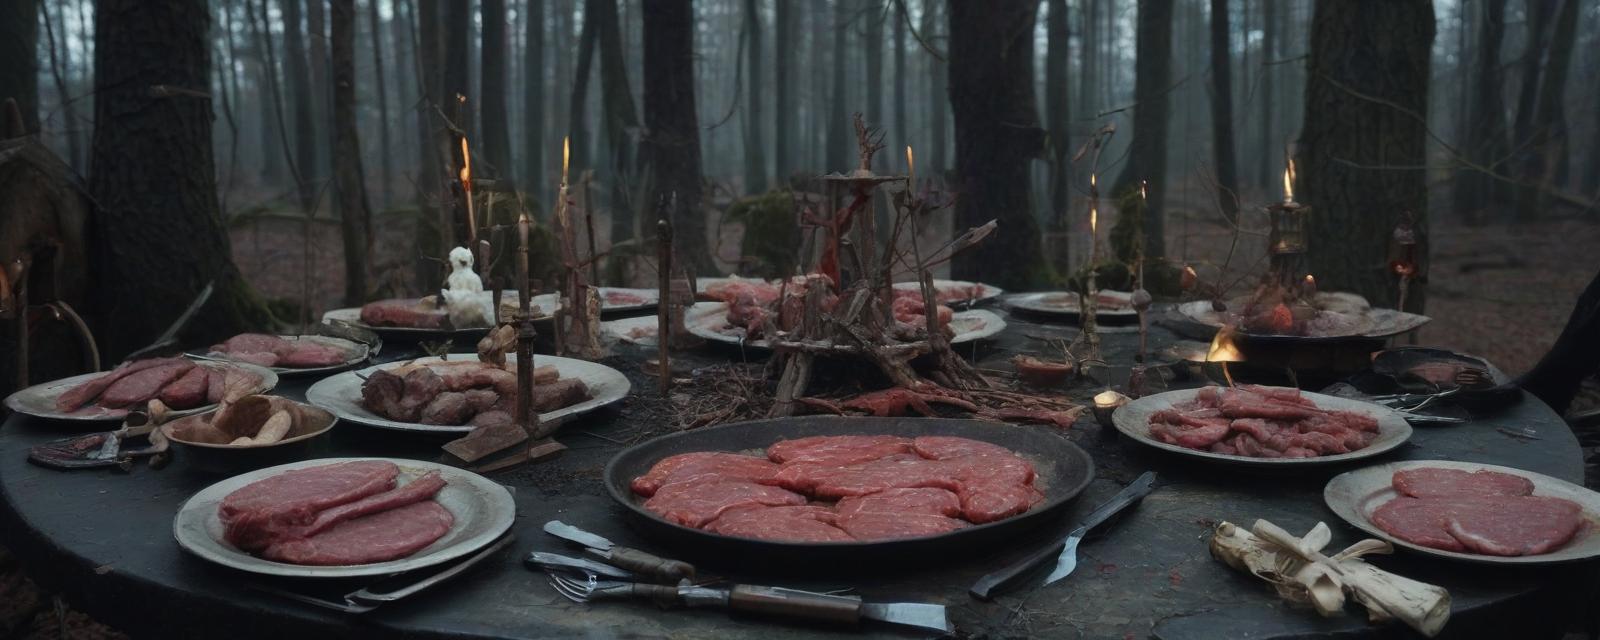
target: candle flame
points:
(1094, 220)
(1091, 181)
(911, 167)
(1109, 399)
(566, 156)
(1223, 348)
(1143, 187)
(466, 165)
(1288, 181)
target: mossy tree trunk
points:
(160, 237)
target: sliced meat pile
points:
(621, 299)
(1261, 422)
(885, 487)
(338, 514)
(1484, 512)
(177, 382)
(464, 392)
(273, 351)
(910, 315)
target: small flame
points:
(1309, 287)
(1223, 348)
(1091, 182)
(566, 156)
(1144, 185)
(1109, 399)
(1288, 181)
(466, 165)
(1094, 220)
(911, 168)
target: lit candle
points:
(911, 171)
(466, 187)
(1105, 406)
(1094, 221)
(1309, 287)
(566, 157)
(1288, 182)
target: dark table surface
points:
(103, 539)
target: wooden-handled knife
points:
(645, 564)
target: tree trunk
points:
(496, 138)
(997, 138)
(533, 96)
(269, 99)
(1267, 160)
(19, 46)
(838, 147)
(1361, 142)
(1544, 160)
(457, 79)
(1089, 59)
(354, 211)
(385, 159)
(1222, 112)
(430, 83)
(160, 238)
(321, 84)
(60, 61)
(670, 149)
(1147, 153)
(405, 74)
(301, 95)
(1485, 134)
(902, 127)
(872, 50)
(576, 111)
(939, 119)
(782, 44)
(755, 161)
(1057, 110)
(620, 118)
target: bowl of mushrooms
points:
(249, 433)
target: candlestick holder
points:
(1287, 240)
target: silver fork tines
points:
(569, 588)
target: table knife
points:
(1065, 550)
(623, 557)
(774, 601)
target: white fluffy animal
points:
(468, 305)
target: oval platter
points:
(40, 400)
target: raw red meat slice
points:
(838, 450)
(1502, 525)
(379, 537)
(305, 353)
(806, 523)
(90, 389)
(1257, 428)
(693, 504)
(1430, 482)
(1240, 404)
(888, 473)
(1201, 437)
(403, 313)
(925, 500)
(188, 391)
(142, 385)
(947, 447)
(704, 466)
(1518, 526)
(893, 526)
(296, 496)
(989, 501)
(259, 534)
(1281, 394)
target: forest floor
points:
(1500, 291)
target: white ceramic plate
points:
(709, 320)
(986, 292)
(1065, 303)
(483, 510)
(341, 393)
(1354, 495)
(358, 354)
(1133, 420)
(640, 330)
(40, 400)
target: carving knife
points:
(1064, 550)
(623, 557)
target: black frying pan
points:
(1062, 469)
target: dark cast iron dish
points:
(1063, 470)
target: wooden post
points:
(665, 305)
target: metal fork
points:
(591, 588)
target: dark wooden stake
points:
(665, 305)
